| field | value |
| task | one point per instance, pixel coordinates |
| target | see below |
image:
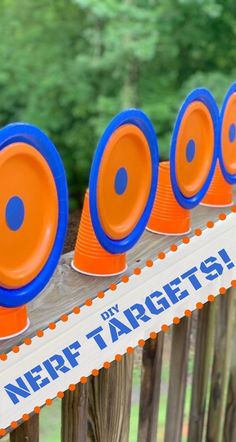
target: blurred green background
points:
(69, 65)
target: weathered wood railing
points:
(100, 409)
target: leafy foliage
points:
(69, 65)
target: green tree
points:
(69, 65)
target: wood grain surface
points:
(68, 288)
(224, 348)
(177, 380)
(27, 432)
(203, 359)
(150, 389)
(109, 405)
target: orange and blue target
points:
(228, 136)
(123, 180)
(33, 212)
(194, 148)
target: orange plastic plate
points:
(124, 181)
(28, 214)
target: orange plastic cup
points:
(167, 217)
(90, 257)
(13, 321)
(220, 193)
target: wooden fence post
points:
(150, 389)
(221, 365)
(230, 413)
(74, 415)
(110, 402)
(177, 380)
(202, 364)
(27, 432)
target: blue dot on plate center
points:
(121, 181)
(190, 150)
(15, 213)
(232, 133)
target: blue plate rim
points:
(27, 133)
(203, 95)
(142, 121)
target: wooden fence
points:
(200, 358)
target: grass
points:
(50, 422)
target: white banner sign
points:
(119, 320)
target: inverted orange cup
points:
(13, 321)
(90, 257)
(167, 217)
(220, 193)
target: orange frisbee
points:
(228, 136)
(124, 181)
(194, 147)
(28, 214)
